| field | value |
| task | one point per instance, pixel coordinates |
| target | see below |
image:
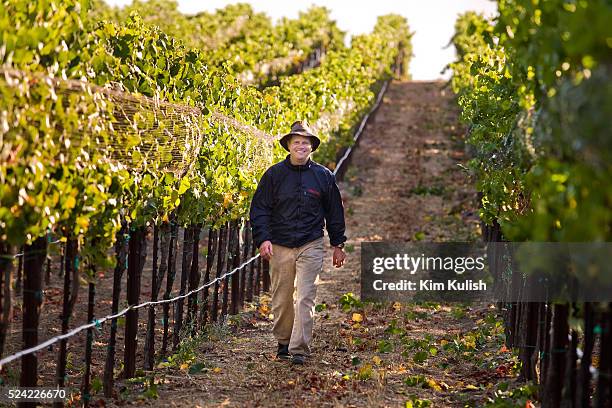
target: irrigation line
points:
(98, 322)
(348, 151)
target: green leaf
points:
(420, 357)
(385, 346)
(196, 368)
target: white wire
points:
(52, 242)
(97, 322)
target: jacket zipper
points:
(297, 223)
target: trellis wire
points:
(97, 322)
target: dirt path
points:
(404, 184)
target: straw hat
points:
(301, 129)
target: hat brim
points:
(284, 141)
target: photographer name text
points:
(430, 285)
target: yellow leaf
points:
(70, 202)
(264, 309)
(217, 370)
(377, 360)
(269, 99)
(431, 383)
(82, 222)
(184, 366)
(471, 387)
(227, 199)
(357, 317)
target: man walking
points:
(293, 199)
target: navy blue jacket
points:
(291, 203)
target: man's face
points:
(300, 147)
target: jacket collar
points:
(288, 163)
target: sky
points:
(432, 22)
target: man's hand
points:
(339, 257)
(265, 250)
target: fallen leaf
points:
(357, 317)
(377, 360)
(431, 383)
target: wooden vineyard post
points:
(569, 382)
(71, 286)
(251, 267)
(246, 283)
(527, 338)
(136, 258)
(235, 256)
(220, 265)
(210, 257)
(19, 277)
(48, 270)
(169, 280)
(33, 260)
(194, 280)
(226, 280)
(6, 269)
(121, 256)
(60, 272)
(86, 396)
(583, 390)
(558, 347)
(149, 346)
(603, 394)
(185, 271)
(544, 352)
(157, 278)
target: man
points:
(293, 199)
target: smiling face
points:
(300, 148)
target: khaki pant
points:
(292, 268)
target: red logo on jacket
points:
(313, 191)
